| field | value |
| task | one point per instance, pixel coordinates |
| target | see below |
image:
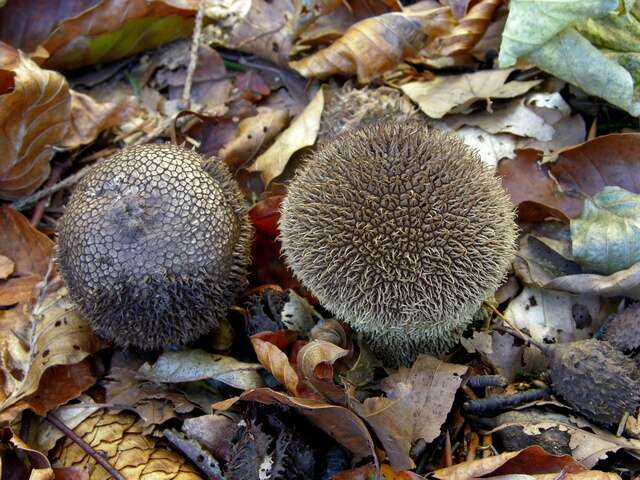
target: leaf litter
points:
(546, 94)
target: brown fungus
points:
(153, 247)
(401, 231)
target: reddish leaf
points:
(29, 249)
(338, 422)
(266, 213)
(533, 190)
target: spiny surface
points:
(347, 108)
(153, 248)
(597, 380)
(401, 231)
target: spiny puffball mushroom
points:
(153, 247)
(401, 231)
(347, 107)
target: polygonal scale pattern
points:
(153, 246)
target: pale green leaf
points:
(572, 58)
(606, 236)
(532, 23)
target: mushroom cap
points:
(401, 231)
(152, 247)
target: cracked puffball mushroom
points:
(402, 232)
(154, 246)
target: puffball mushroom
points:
(402, 232)
(153, 248)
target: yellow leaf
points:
(302, 132)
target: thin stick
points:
(193, 56)
(45, 192)
(73, 436)
(518, 332)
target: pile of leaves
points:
(547, 92)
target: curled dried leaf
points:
(467, 33)
(375, 45)
(35, 106)
(277, 362)
(329, 330)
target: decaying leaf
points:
(315, 363)
(35, 106)
(254, 133)
(469, 30)
(545, 34)
(87, 32)
(375, 45)
(585, 169)
(498, 350)
(455, 93)
(89, 118)
(154, 402)
(7, 267)
(538, 262)
(271, 356)
(338, 422)
(533, 190)
(122, 439)
(192, 365)
(606, 236)
(19, 460)
(417, 404)
(530, 463)
(53, 334)
(622, 283)
(302, 132)
(553, 316)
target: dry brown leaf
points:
(315, 363)
(35, 107)
(86, 32)
(622, 283)
(193, 364)
(29, 249)
(18, 290)
(121, 438)
(302, 132)
(455, 93)
(533, 190)
(254, 133)
(469, 30)
(54, 334)
(89, 118)
(7, 267)
(585, 169)
(154, 402)
(417, 404)
(276, 362)
(531, 460)
(29, 463)
(341, 424)
(375, 45)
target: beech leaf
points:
(454, 93)
(34, 117)
(302, 132)
(192, 365)
(375, 45)
(417, 404)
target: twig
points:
(516, 330)
(45, 192)
(481, 381)
(447, 456)
(193, 56)
(472, 448)
(53, 179)
(485, 405)
(73, 436)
